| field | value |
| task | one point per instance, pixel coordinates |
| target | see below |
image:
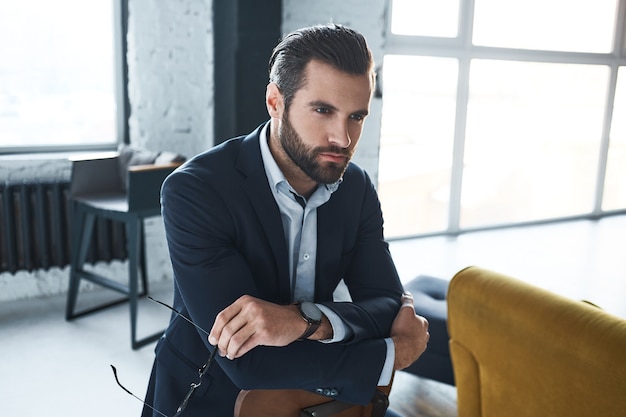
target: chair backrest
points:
(129, 180)
(95, 175)
(518, 350)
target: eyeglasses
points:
(194, 385)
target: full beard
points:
(307, 159)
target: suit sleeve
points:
(369, 271)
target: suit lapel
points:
(256, 187)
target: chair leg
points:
(81, 238)
(136, 257)
(133, 240)
(83, 229)
(142, 259)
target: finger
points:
(233, 335)
(407, 300)
(242, 342)
(247, 346)
(223, 318)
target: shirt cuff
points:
(387, 373)
(339, 328)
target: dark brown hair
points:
(336, 45)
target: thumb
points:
(407, 300)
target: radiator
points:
(36, 229)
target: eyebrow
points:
(320, 103)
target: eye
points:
(322, 110)
(357, 117)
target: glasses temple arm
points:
(124, 388)
(180, 315)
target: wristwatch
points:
(312, 315)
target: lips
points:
(333, 157)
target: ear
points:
(274, 101)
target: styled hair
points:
(343, 48)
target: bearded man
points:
(261, 230)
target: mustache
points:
(332, 149)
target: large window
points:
(60, 81)
(500, 112)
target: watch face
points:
(311, 311)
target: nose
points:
(339, 135)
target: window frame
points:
(462, 49)
(120, 74)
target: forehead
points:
(326, 83)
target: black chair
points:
(123, 188)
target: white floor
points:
(580, 260)
(49, 367)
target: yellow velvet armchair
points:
(518, 350)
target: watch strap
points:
(310, 330)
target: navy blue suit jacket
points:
(225, 239)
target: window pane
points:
(615, 183)
(56, 73)
(425, 17)
(559, 25)
(532, 141)
(417, 131)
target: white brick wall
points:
(170, 65)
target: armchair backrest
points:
(518, 350)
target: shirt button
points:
(306, 256)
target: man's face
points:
(308, 159)
(322, 126)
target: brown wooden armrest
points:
(300, 403)
(153, 167)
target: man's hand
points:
(251, 322)
(409, 333)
